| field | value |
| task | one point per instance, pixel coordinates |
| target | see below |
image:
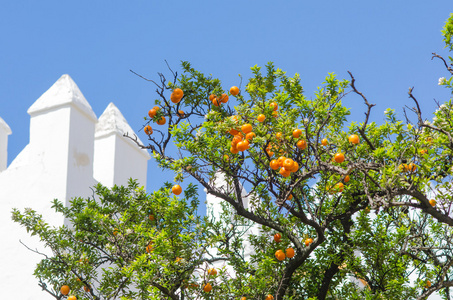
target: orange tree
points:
(304, 229)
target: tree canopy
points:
(334, 208)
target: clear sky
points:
(386, 44)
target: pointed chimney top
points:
(5, 126)
(113, 121)
(63, 91)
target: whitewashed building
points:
(69, 151)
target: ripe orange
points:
(64, 290)
(246, 128)
(290, 252)
(354, 138)
(339, 157)
(288, 164)
(212, 96)
(297, 133)
(212, 272)
(290, 197)
(152, 112)
(148, 130)
(280, 255)
(308, 241)
(178, 93)
(174, 98)
(324, 142)
(301, 144)
(274, 106)
(277, 237)
(226, 157)
(243, 298)
(411, 167)
(295, 167)
(339, 187)
(233, 131)
(234, 90)
(423, 151)
(249, 136)
(279, 135)
(284, 172)
(428, 284)
(87, 289)
(432, 202)
(151, 217)
(280, 160)
(261, 118)
(275, 114)
(243, 145)
(115, 231)
(176, 189)
(216, 102)
(181, 113)
(72, 297)
(274, 164)
(234, 150)
(207, 288)
(269, 297)
(149, 248)
(161, 121)
(346, 179)
(224, 98)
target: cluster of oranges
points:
(279, 254)
(241, 141)
(286, 165)
(176, 95)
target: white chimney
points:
(4, 132)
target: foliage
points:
(402, 249)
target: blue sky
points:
(387, 45)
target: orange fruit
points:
(280, 255)
(290, 197)
(354, 138)
(346, 178)
(148, 130)
(174, 98)
(176, 189)
(64, 290)
(249, 136)
(301, 144)
(308, 241)
(72, 297)
(212, 96)
(152, 112)
(280, 160)
(339, 157)
(178, 93)
(243, 298)
(87, 289)
(428, 284)
(269, 297)
(233, 131)
(226, 157)
(295, 167)
(290, 252)
(279, 135)
(234, 90)
(207, 288)
(261, 118)
(432, 202)
(297, 133)
(274, 106)
(234, 150)
(274, 164)
(216, 102)
(275, 114)
(288, 164)
(151, 217)
(324, 142)
(212, 272)
(224, 98)
(284, 172)
(149, 248)
(411, 167)
(243, 145)
(277, 237)
(161, 121)
(339, 187)
(115, 231)
(246, 128)
(181, 113)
